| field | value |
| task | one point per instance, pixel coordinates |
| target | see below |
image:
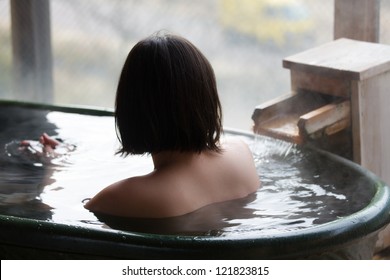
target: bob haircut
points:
(167, 99)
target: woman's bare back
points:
(182, 183)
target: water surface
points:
(299, 189)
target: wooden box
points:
(352, 80)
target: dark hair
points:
(167, 99)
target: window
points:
(245, 40)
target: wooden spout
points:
(302, 117)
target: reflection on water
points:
(299, 188)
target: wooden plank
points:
(357, 19)
(342, 59)
(355, 115)
(338, 126)
(32, 54)
(374, 103)
(281, 126)
(279, 117)
(319, 83)
(272, 107)
(334, 116)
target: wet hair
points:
(167, 99)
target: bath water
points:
(300, 187)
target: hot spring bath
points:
(312, 204)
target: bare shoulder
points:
(241, 162)
(237, 147)
(123, 198)
(140, 197)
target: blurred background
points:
(245, 41)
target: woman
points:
(167, 105)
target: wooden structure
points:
(305, 117)
(357, 19)
(339, 102)
(32, 53)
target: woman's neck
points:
(170, 158)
